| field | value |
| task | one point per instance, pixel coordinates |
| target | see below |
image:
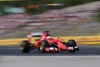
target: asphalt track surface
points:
(85, 50)
(88, 56)
(50, 61)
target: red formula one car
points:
(49, 44)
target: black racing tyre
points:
(72, 43)
(25, 46)
(42, 46)
(73, 51)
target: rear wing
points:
(36, 34)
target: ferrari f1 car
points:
(49, 44)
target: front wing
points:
(52, 49)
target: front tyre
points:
(25, 46)
(72, 43)
(42, 46)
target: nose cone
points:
(62, 46)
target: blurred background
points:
(61, 17)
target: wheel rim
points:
(41, 47)
(21, 48)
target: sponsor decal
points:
(70, 48)
(51, 48)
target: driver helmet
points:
(49, 37)
(46, 32)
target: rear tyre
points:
(25, 46)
